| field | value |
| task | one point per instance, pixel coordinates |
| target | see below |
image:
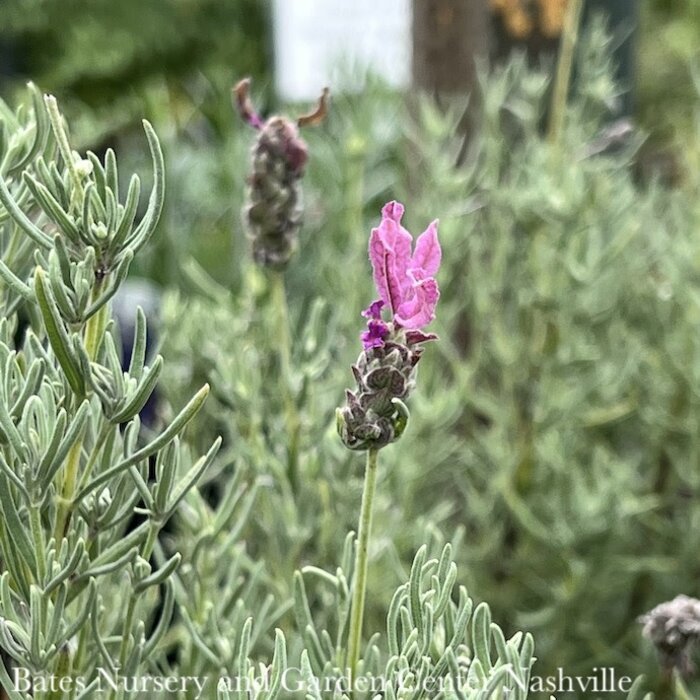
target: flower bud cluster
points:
(674, 628)
(375, 414)
(273, 209)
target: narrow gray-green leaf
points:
(481, 627)
(141, 394)
(14, 282)
(180, 421)
(57, 334)
(189, 480)
(159, 576)
(14, 524)
(20, 218)
(155, 203)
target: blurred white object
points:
(333, 42)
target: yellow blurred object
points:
(520, 17)
(520, 24)
(552, 16)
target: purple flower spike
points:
(375, 414)
(404, 278)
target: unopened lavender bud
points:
(273, 210)
(674, 628)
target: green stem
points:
(279, 299)
(129, 621)
(40, 549)
(146, 551)
(359, 586)
(151, 540)
(563, 77)
(681, 692)
(65, 500)
(79, 655)
(38, 537)
(94, 331)
(99, 444)
(95, 327)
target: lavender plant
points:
(376, 414)
(552, 438)
(550, 461)
(81, 509)
(95, 597)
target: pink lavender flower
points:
(375, 414)
(404, 278)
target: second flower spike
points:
(273, 210)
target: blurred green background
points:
(111, 63)
(173, 62)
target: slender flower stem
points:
(681, 692)
(359, 586)
(279, 299)
(563, 77)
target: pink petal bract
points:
(404, 279)
(428, 253)
(377, 256)
(390, 254)
(419, 310)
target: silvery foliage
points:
(568, 335)
(205, 599)
(79, 585)
(435, 644)
(80, 512)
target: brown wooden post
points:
(447, 36)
